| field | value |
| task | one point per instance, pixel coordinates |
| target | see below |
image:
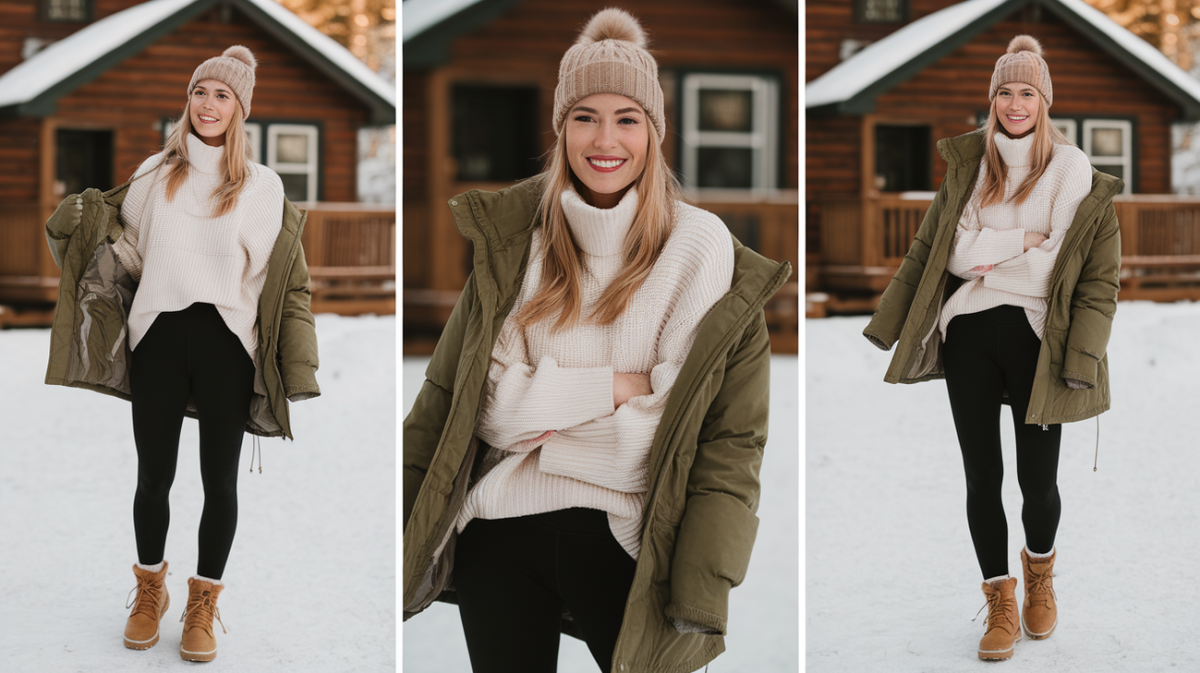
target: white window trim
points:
(1126, 158)
(762, 140)
(309, 168)
(254, 138)
(1072, 127)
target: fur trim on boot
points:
(149, 605)
(1039, 612)
(1003, 622)
(199, 641)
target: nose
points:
(606, 136)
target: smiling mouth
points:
(1016, 120)
(208, 120)
(606, 164)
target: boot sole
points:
(1037, 636)
(990, 655)
(197, 656)
(147, 644)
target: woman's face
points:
(607, 140)
(211, 108)
(1017, 105)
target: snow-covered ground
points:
(310, 584)
(764, 610)
(891, 577)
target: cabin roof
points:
(852, 86)
(33, 87)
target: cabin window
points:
(730, 132)
(66, 10)
(880, 11)
(292, 153)
(495, 132)
(1108, 144)
(903, 157)
(254, 141)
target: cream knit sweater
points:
(540, 380)
(996, 234)
(182, 255)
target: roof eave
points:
(431, 47)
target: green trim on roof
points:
(431, 47)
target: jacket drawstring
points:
(255, 447)
(1096, 461)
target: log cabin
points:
(479, 81)
(886, 79)
(90, 88)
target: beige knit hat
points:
(1023, 63)
(610, 57)
(235, 68)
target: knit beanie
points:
(610, 57)
(235, 68)
(1023, 63)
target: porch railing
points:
(863, 240)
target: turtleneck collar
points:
(599, 232)
(203, 157)
(1014, 151)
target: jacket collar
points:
(501, 225)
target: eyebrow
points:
(1017, 89)
(216, 90)
(624, 110)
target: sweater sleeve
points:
(1029, 273)
(611, 451)
(976, 245)
(522, 401)
(131, 216)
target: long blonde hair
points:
(235, 171)
(559, 291)
(1045, 137)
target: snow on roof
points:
(70, 55)
(419, 16)
(883, 57)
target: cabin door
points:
(83, 159)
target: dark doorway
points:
(902, 158)
(495, 132)
(84, 159)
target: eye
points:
(627, 120)
(583, 118)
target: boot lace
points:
(147, 599)
(999, 607)
(200, 610)
(1039, 583)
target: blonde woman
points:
(1009, 293)
(204, 235)
(583, 456)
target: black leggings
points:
(515, 576)
(986, 354)
(189, 354)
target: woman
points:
(198, 260)
(1009, 291)
(583, 455)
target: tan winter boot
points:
(199, 641)
(1003, 624)
(149, 605)
(1039, 613)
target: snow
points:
(763, 611)
(64, 58)
(892, 581)
(878, 59)
(421, 15)
(310, 583)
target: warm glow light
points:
(1169, 38)
(388, 13)
(363, 21)
(1173, 19)
(360, 40)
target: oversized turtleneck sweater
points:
(555, 439)
(182, 255)
(995, 235)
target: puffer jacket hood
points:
(699, 524)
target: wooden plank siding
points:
(523, 46)
(948, 94)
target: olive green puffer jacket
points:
(699, 523)
(1081, 304)
(89, 346)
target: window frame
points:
(1126, 161)
(765, 139)
(860, 11)
(89, 12)
(312, 166)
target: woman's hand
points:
(68, 214)
(626, 386)
(982, 269)
(1033, 240)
